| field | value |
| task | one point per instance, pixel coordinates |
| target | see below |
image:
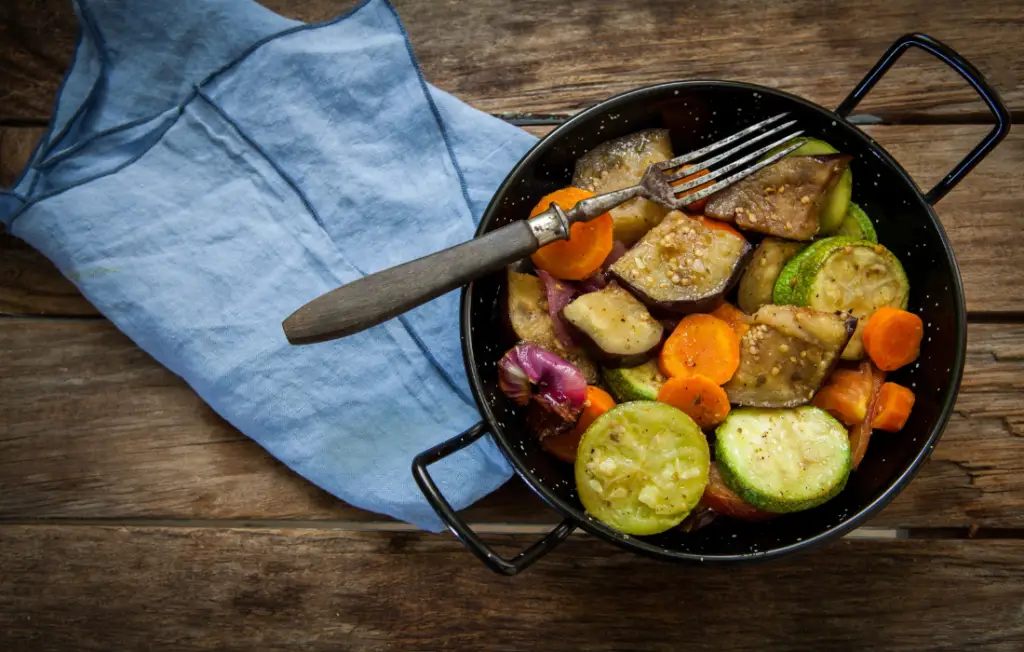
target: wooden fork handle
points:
(378, 297)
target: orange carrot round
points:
(699, 397)
(845, 396)
(564, 445)
(892, 338)
(588, 245)
(701, 344)
(697, 206)
(893, 408)
(736, 318)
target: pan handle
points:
(460, 528)
(973, 77)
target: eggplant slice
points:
(682, 266)
(618, 164)
(787, 354)
(614, 327)
(528, 313)
(784, 199)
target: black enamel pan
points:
(698, 112)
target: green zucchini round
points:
(783, 460)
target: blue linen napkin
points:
(211, 166)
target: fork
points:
(375, 298)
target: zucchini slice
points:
(758, 282)
(615, 328)
(857, 225)
(859, 277)
(783, 460)
(620, 163)
(526, 309)
(682, 265)
(789, 276)
(784, 199)
(786, 356)
(634, 383)
(641, 467)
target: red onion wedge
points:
(554, 389)
(559, 295)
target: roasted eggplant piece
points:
(620, 163)
(784, 199)
(527, 311)
(682, 266)
(787, 354)
(759, 278)
(615, 328)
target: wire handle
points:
(972, 75)
(460, 528)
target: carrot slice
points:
(697, 206)
(588, 245)
(846, 395)
(701, 344)
(736, 318)
(892, 338)
(564, 445)
(860, 434)
(699, 397)
(894, 405)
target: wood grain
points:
(92, 428)
(100, 588)
(556, 56)
(982, 217)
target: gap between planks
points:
(865, 533)
(862, 533)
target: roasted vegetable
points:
(721, 499)
(527, 311)
(589, 243)
(698, 396)
(783, 460)
(758, 280)
(552, 388)
(892, 338)
(614, 327)
(858, 276)
(784, 199)
(620, 163)
(835, 204)
(683, 265)
(641, 467)
(860, 434)
(787, 354)
(701, 344)
(857, 225)
(564, 445)
(640, 383)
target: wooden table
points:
(132, 517)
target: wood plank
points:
(92, 428)
(191, 589)
(982, 218)
(553, 56)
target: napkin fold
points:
(211, 166)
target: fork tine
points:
(686, 199)
(724, 155)
(690, 156)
